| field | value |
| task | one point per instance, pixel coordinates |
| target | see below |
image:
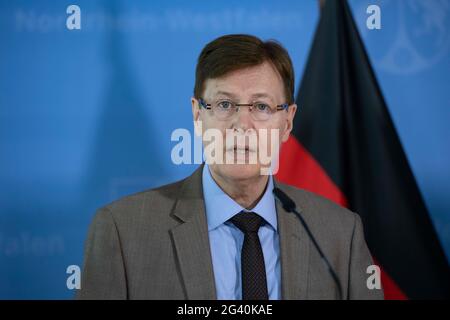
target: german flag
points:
(344, 147)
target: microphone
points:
(289, 205)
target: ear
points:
(289, 122)
(196, 117)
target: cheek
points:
(282, 126)
(270, 137)
(210, 129)
(206, 122)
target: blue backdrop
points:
(86, 115)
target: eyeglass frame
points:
(208, 106)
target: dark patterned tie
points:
(254, 283)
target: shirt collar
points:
(220, 207)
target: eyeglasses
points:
(226, 109)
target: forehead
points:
(244, 83)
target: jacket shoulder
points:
(156, 202)
(320, 210)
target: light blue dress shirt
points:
(226, 239)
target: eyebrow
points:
(254, 96)
(262, 95)
(228, 94)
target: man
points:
(220, 234)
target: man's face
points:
(260, 83)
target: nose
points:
(243, 119)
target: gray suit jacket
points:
(154, 245)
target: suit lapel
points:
(191, 240)
(294, 252)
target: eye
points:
(225, 105)
(262, 107)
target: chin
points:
(238, 171)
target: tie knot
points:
(247, 222)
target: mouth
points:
(241, 150)
(241, 155)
